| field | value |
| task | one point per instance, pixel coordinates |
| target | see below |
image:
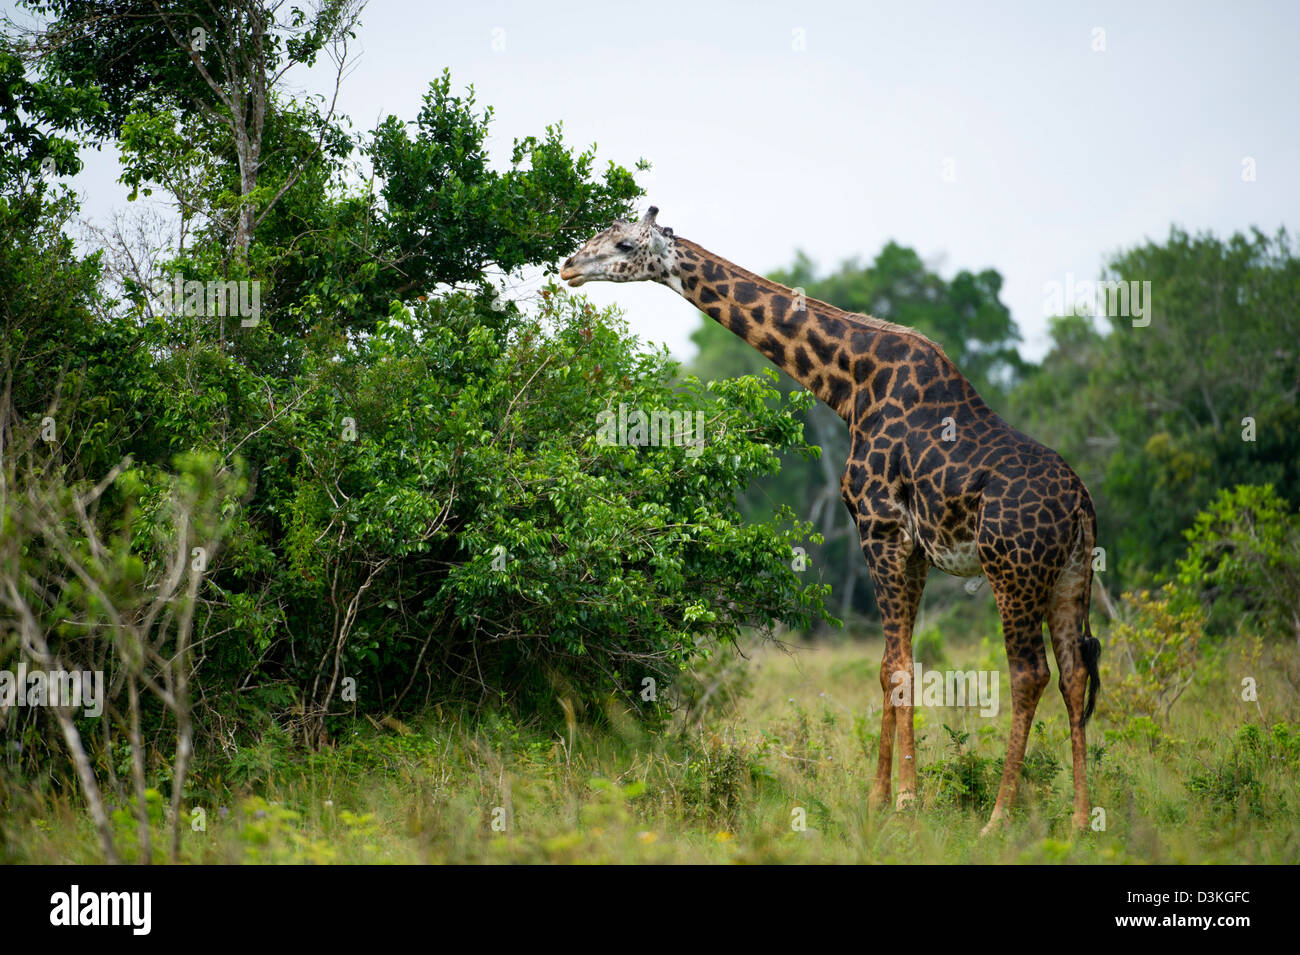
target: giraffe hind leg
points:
(1066, 623)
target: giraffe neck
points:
(830, 352)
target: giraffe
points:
(934, 478)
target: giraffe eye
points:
(625, 246)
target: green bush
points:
(967, 779)
(927, 647)
(456, 528)
(1151, 654)
(1243, 559)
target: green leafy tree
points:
(1151, 657)
(220, 64)
(430, 513)
(1243, 559)
(458, 529)
(35, 117)
(448, 217)
(1159, 417)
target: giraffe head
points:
(626, 252)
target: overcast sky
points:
(1032, 138)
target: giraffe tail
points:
(1089, 646)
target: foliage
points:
(927, 647)
(429, 515)
(1151, 653)
(714, 687)
(966, 779)
(1237, 780)
(1157, 418)
(448, 217)
(1243, 557)
(150, 56)
(717, 781)
(35, 115)
(110, 593)
(477, 521)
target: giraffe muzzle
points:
(572, 275)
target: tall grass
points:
(781, 775)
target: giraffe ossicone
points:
(934, 478)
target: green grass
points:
(1217, 784)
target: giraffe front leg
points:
(898, 568)
(898, 666)
(898, 575)
(885, 758)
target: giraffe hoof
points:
(906, 800)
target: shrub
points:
(967, 779)
(1150, 658)
(1243, 558)
(456, 526)
(1237, 780)
(927, 647)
